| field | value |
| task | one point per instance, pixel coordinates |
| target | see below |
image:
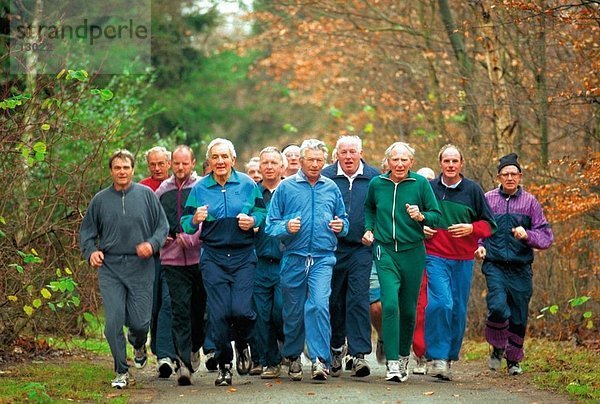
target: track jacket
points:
(385, 210)
(172, 199)
(315, 206)
(463, 204)
(240, 194)
(354, 200)
(510, 211)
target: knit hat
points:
(509, 160)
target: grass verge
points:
(64, 378)
(553, 365)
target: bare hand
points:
(414, 213)
(293, 225)
(480, 253)
(200, 215)
(519, 233)
(336, 224)
(429, 232)
(368, 238)
(144, 250)
(245, 222)
(96, 259)
(181, 241)
(460, 230)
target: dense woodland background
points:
(489, 76)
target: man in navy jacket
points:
(349, 300)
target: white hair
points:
(313, 144)
(399, 145)
(426, 172)
(353, 140)
(218, 141)
(158, 149)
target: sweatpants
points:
(449, 286)
(161, 338)
(267, 303)
(306, 287)
(509, 292)
(349, 301)
(126, 288)
(419, 334)
(188, 303)
(400, 274)
(228, 277)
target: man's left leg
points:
(358, 327)
(316, 315)
(461, 278)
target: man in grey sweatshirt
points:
(124, 226)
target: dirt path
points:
(473, 383)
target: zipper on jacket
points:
(123, 201)
(223, 191)
(506, 244)
(394, 217)
(312, 227)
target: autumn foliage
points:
(489, 76)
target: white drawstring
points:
(308, 263)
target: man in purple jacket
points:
(507, 256)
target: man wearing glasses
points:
(507, 256)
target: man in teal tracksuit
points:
(229, 205)
(307, 214)
(398, 204)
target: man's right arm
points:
(187, 217)
(88, 232)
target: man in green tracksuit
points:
(398, 204)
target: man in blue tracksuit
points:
(267, 289)
(349, 301)
(307, 214)
(229, 205)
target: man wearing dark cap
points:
(507, 256)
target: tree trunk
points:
(465, 67)
(541, 86)
(504, 124)
(439, 124)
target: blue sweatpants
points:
(306, 287)
(228, 277)
(448, 289)
(267, 303)
(509, 292)
(161, 338)
(349, 301)
(126, 288)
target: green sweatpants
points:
(400, 274)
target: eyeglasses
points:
(506, 175)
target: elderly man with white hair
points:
(229, 205)
(307, 214)
(398, 204)
(349, 301)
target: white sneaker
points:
(184, 377)
(121, 381)
(195, 360)
(166, 367)
(393, 371)
(440, 369)
(403, 368)
(420, 366)
(319, 371)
